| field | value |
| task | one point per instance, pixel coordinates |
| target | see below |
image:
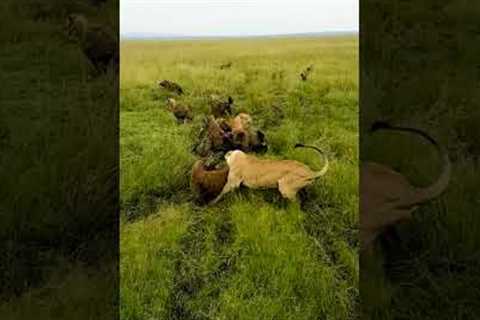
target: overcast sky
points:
(237, 17)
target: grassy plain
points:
(58, 138)
(252, 256)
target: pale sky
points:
(237, 17)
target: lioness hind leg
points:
(286, 190)
(398, 215)
(289, 187)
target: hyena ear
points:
(230, 100)
(239, 137)
(70, 18)
(261, 135)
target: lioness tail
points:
(325, 167)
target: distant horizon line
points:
(160, 36)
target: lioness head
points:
(230, 156)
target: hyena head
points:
(75, 26)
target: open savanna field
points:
(252, 255)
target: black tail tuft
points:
(377, 125)
(301, 145)
(381, 125)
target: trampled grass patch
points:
(148, 250)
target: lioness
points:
(387, 197)
(289, 176)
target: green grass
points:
(252, 256)
(71, 291)
(57, 155)
(148, 254)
